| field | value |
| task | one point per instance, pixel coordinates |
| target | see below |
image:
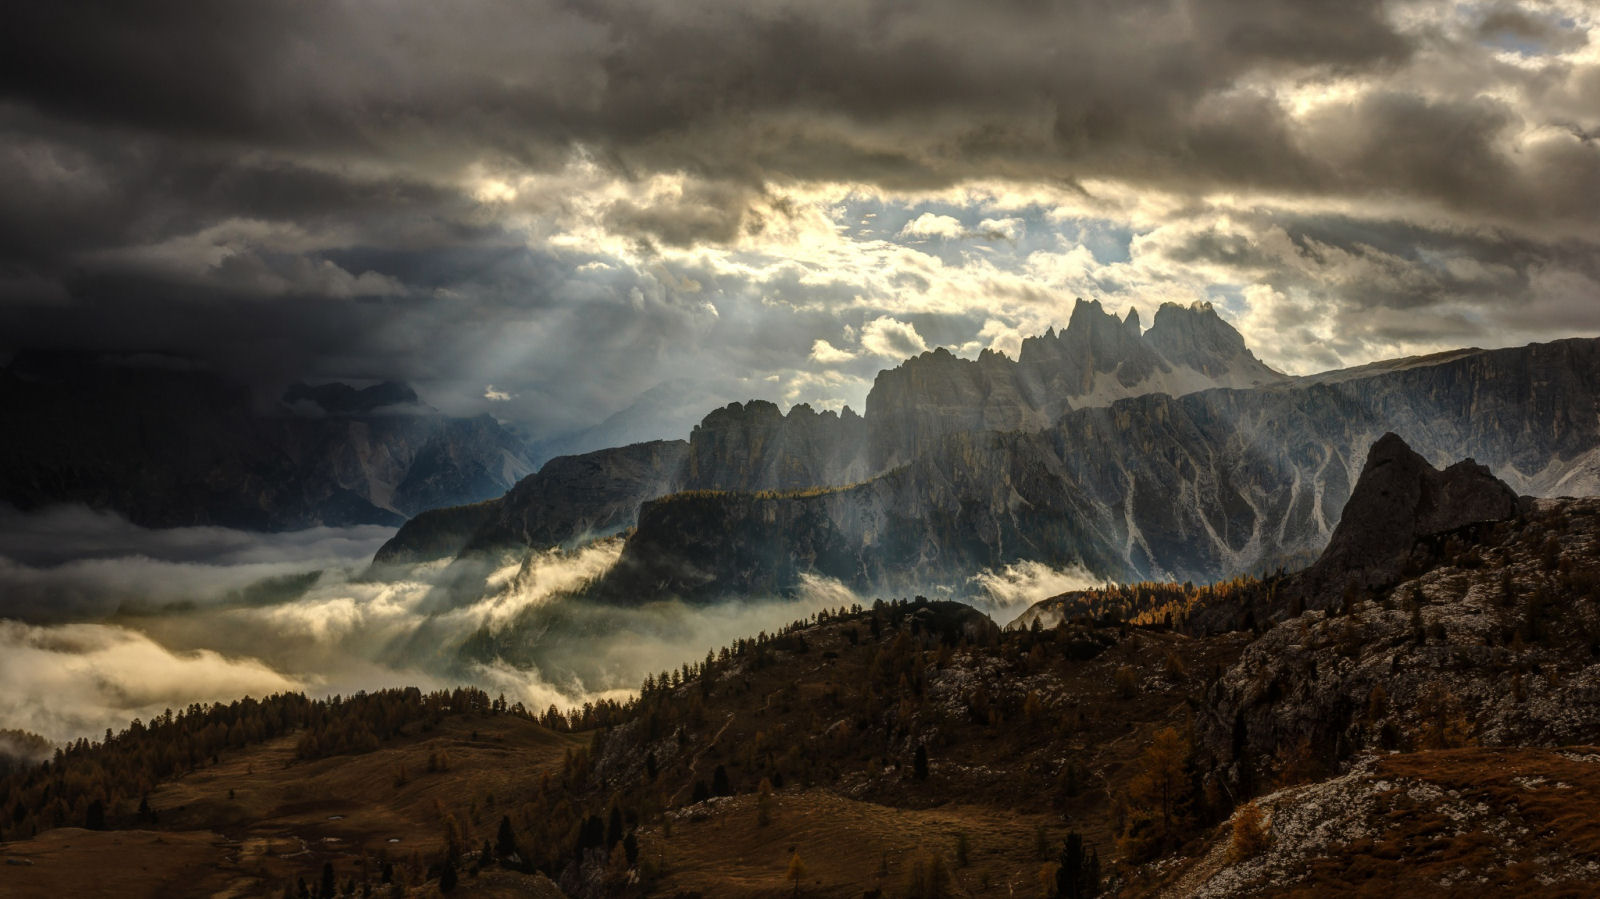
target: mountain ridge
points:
(1199, 487)
(754, 446)
(1294, 445)
(171, 446)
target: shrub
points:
(1126, 681)
(1250, 836)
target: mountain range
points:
(756, 447)
(1171, 453)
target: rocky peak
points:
(1197, 337)
(741, 414)
(754, 446)
(1399, 499)
(1087, 315)
(1094, 341)
(1130, 322)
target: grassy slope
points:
(851, 806)
(259, 818)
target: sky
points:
(555, 211)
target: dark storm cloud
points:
(840, 90)
(712, 212)
(1526, 30)
(287, 189)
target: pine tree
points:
(1077, 872)
(796, 871)
(505, 840)
(448, 878)
(614, 829)
(919, 763)
(94, 818)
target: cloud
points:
(76, 680)
(497, 396)
(827, 354)
(1009, 228)
(74, 533)
(1015, 587)
(1001, 337)
(929, 224)
(255, 614)
(891, 339)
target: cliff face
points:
(742, 447)
(171, 447)
(1198, 487)
(1095, 360)
(753, 446)
(436, 533)
(702, 546)
(574, 498)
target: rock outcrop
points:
(1399, 499)
(575, 498)
(1473, 647)
(436, 533)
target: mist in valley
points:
(102, 621)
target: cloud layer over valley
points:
(143, 620)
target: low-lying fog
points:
(102, 621)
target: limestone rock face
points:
(912, 411)
(1094, 361)
(753, 446)
(1449, 654)
(1196, 337)
(1093, 343)
(1195, 485)
(436, 533)
(575, 498)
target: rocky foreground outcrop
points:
(1493, 639)
(1398, 500)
